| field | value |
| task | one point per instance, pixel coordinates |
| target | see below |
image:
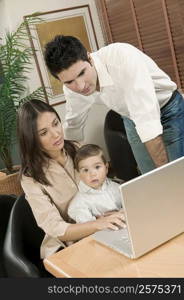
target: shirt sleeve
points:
(140, 95)
(77, 109)
(45, 212)
(79, 211)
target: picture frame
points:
(75, 21)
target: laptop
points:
(154, 211)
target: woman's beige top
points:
(50, 203)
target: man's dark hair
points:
(86, 151)
(62, 52)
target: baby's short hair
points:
(86, 151)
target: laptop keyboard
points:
(117, 240)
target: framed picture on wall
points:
(75, 21)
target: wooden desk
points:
(88, 258)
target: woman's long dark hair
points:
(33, 158)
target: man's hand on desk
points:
(111, 220)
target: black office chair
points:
(120, 153)
(21, 251)
(6, 203)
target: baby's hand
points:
(110, 212)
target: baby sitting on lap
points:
(97, 194)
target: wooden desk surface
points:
(88, 258)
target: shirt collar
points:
(83, 188)
(103, 74)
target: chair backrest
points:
(114, 122)
(22, 243)
(120, 153)
(6, 203)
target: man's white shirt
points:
(131, 84)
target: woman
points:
(49, 179)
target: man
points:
(128, 82)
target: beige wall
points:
(11, 15)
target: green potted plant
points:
(15, 65)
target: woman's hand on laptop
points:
(112, 220)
